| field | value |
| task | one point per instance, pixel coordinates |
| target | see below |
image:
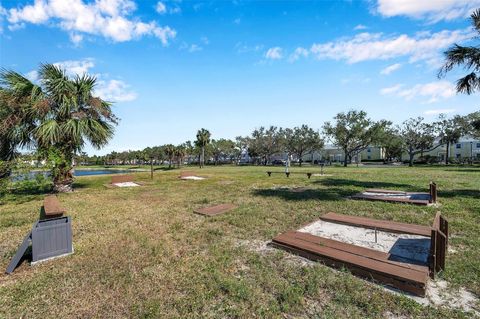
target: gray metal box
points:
(50, 238)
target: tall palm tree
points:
(170, 152)
(203, 138)
(19, 112)
(469, 57)
(67, 115)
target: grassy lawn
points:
(141, 252)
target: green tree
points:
(67, 116)
(466, 56)
(203, 139)
(264, 143)
(450, 131)
(353, 132)
(169, 150)
(222, 149)
(302, 140)
(392, 144)
(180, 152)
(19, 111)
(417, 137)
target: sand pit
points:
(194, 178)
(402, 247)
(126, 184)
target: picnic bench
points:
(288, 173)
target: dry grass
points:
(141, 252)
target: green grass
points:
(141, 252)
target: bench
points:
(288, 173)
(52, 207)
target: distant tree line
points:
(351, 131)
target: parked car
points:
(278, 162)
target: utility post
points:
(151, 166)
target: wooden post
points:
(431, 256)
(433, 193)
(151, 167)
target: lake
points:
(77, 172)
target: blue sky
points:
(172, 67)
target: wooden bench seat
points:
(52, 207)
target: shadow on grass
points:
(467, 170)
(299, 194)
(366, 184)
(473, 193)
(165, 168)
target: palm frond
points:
(475, 17)
(468, 84)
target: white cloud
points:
(391, 68)
(274, 53)
(432, 10)
(108, 18)
(237, 21)
(438, 111)
(76, 38)
(241, 47)
(191, 47)
(161, 8)
(32, 75)
(76, 67)
(391, 89)
(434, 91)
(3, 13)
(115, 91)
(360, 27)
(298, 53)
(376, 46)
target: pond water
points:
(77, 172)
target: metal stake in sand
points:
(375, 235)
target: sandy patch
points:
(320, 175)
(194, 178)
(402, 247)
(439, 295)
(126, 184)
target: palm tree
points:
(203, 138)
(67, 116)
(170, 152)
(180, 154)
(469, 57)
(18, 117)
